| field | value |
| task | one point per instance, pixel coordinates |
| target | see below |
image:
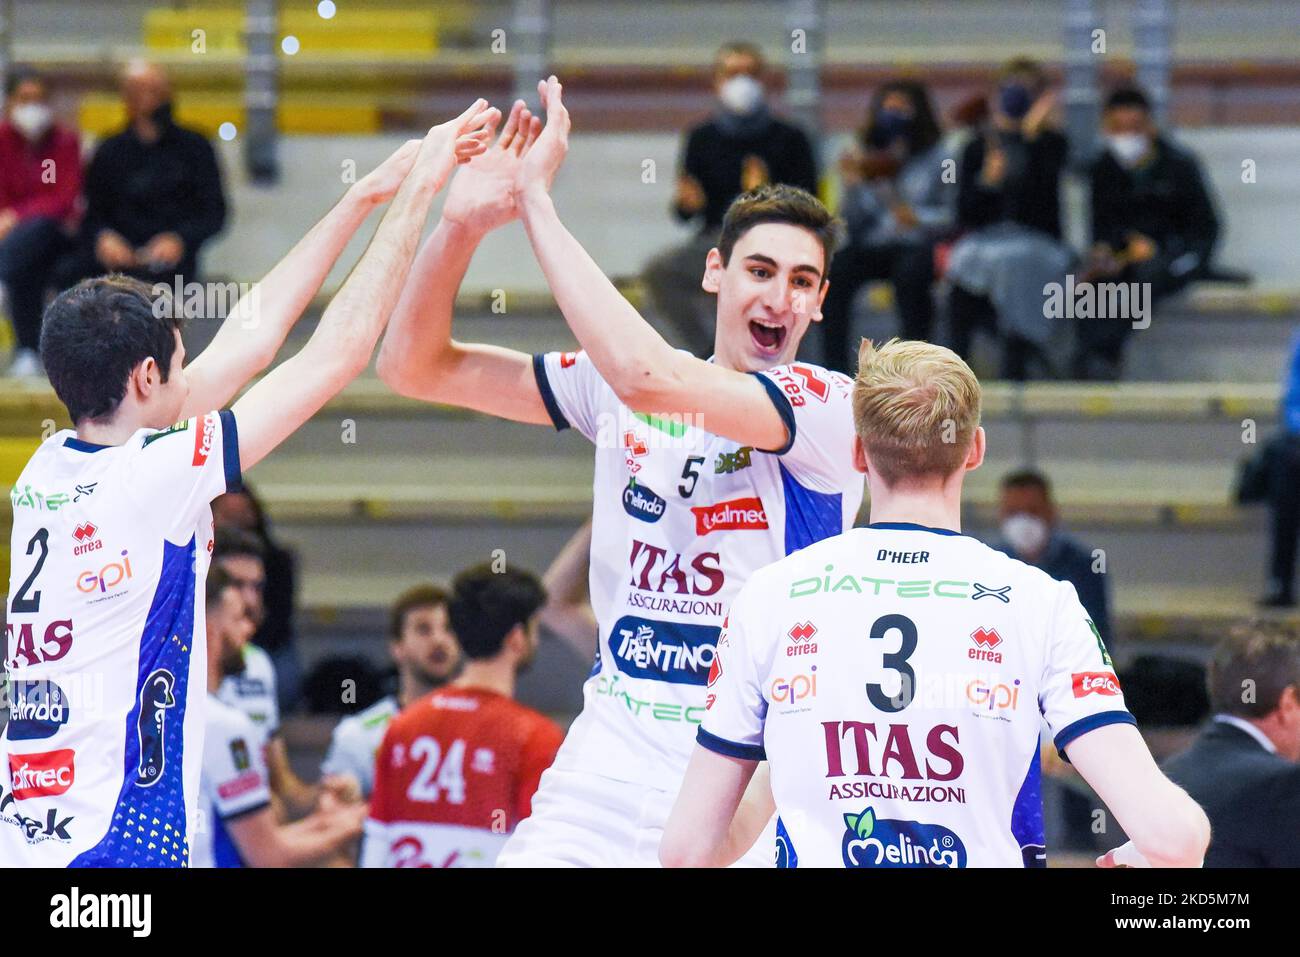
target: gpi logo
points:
(796, 688)
(993, 697)
(110, 576)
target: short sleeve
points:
(573, 391)
(234, 765)
(178, 471)
(1078, 691)
(817, 406)
(735, 709)
(538, 754)
(381, 803)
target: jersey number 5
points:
(897, 661)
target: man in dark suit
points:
(1244, 769)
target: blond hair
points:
(916, 407)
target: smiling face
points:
(768, 292)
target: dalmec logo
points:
(739, 513)
(203, 440)
(41, 775)
(1095, 682)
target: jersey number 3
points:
(897, 661)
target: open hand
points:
(481, 196)
(539, 166)
(457, 141)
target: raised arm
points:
(646, 372)
(419, 359)
(1166, 828)
(340, 347)
(567, 611)
(256, 326)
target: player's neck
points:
(116, 432)
(935, 506)
(494, 675)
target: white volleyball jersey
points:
(894, 678)
(105, 645)
(356, 740)
(253, 691)
(681, 518)
(234, 781)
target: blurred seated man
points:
(153, 192)
(1031, 532)
(236, 826)
(427, 656)
(1243, 768)
(40, 182)
(1153, 222)
(896, 205)
(741, 148)
(1284, 491)
(1009, 205)
(457, 770)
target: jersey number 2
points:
(21, 603)
(897, 661)
(437, 776)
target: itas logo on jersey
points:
(157, 695)
(896, 756)
(37, 709)
(879, 842)
(658, 570)
(47, 774)
(801, 639)
(204, 436)
(86, 536)
(642, 503)
(986, 639)
(55, 643)
(738, 514)
(664, 651)
(1095, 682)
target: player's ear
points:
(713, 268)
(975, 457)
(821, 298)
(860, 455)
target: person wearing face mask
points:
(1009, 207)
(740, 148)
(896, 205)
(40, 180)
(1153, 221)
(1030, 532)
(153, 191)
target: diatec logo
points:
(46, 774)
(735, 515)
(203, 439)
(1095, 682)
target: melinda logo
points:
(739, 513)
(876, 842)
(640, 502)
(41, 775)
(1095, 682)
(37, 709)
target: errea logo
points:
(985, 639)
(801, 639)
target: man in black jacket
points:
(153, 192)
(1243, 769)
(741, 148)
(1153, 221)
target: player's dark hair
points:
(93, 336)
(24, 74)
(741, 47)
(1128, 96)
(1028, 478)
(486, 605)
(218, 581)
(236, 543)
(1252, 666)
(421, 596)
(779, 204)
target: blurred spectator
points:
(243, 510)
(40, 182)
(457, 770)
(896, 205)
(741, 148)
(1242, 769)
(427, 657)
(1031, 532)
(1153, 222)
(153, 192)
(236, 826)
(1284, 493)
(1008, 201)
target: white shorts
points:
(586, 820)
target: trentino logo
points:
(664, 651)
(876, 842)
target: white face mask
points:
(1128, 148)
(1026, 534)
(31, 119)
(741, 94)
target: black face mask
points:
(890, 125)
(162, 115)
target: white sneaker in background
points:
(26, 364)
